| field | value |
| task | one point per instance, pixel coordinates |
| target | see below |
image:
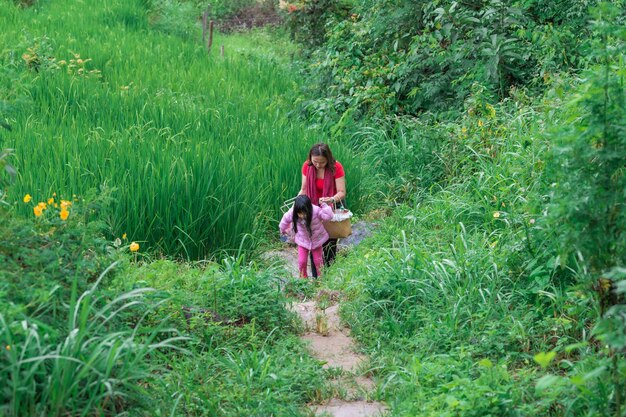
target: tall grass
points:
(464, 289)
(91, 366)
(156, 338)
(197, 147)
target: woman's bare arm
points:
(340, 184)
(303, 187)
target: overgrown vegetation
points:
(388, 58)
(85, 329)
(496, 285)
(90, 322)
(487, 139)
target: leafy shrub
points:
(50, 256)
(233, 293)
(246, 359)
(308, 19)
(403, 57)
(587, 174)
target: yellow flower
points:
(64, 214)
(134, 247)
(37, 210)
(480, 123)
(492, 110)
(464, 130)
(27, 198)
(124, 236)
(496, 214)
(8, 347)
(42, 205)
(50, 200)
(65, 204)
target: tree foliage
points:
(407, 57)
(589, 167)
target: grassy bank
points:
(499, 291)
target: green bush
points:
(405, 57)
(308, 20)
(50, 257)
(245, 357)
(587, 175)
(85, 364)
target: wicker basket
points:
(339, 226)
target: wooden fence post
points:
(222, 51)
(210, 43)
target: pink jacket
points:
(319, 233)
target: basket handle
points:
(338, 205)
(287, 204)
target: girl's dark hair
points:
(302, 205)
(322, 149)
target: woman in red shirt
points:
(323, 180)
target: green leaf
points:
(544, 358)
(485, 363)
(575, 346)
(547, 381)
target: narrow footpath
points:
(329, 342)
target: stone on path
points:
(339, 408)
(336, 350)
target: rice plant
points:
(197, 147)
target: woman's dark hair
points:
(322, 149)
(302, 205)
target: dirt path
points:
(330, 342)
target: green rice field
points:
(196, 150)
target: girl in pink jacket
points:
(306, 221)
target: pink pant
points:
(303, 259)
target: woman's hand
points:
(327, 200)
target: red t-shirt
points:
(319, 182)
